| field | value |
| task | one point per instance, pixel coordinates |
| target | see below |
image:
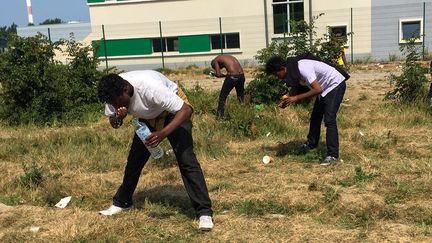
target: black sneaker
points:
(329, 160)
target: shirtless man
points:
(234, 78)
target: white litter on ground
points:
(34, 229)
(267, 159)
(63, 202)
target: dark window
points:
(340, 31)
(172, 43)
(229, 41)
(285, 11)
(157, 45)
(216, 42)
(232, 40)
(411, 29)
(168, 43)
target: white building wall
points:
(140, 19)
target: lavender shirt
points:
(327, 76)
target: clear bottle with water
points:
(143, 131)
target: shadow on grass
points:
(292, 148)
(168, 198)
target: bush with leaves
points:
(303, 38)
(38, 89)
(410, 85)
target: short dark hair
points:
(274, 64)
(111, 86)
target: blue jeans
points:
(230, 82)
(327, 108)
(190, 169)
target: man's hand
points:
(283, 103)
(154, 139)
(122, 112)
(291, 99)
(117, 120)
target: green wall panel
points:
(124, 47)
(194, 43)
(95, 1)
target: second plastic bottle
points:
(143, 131)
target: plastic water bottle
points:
(143, 131)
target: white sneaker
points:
(113, 210)
(205, 223)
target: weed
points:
(165, 71)
(393, 57)
(331, 195)
(358, 217)
(313, 186)
(362, 97)
(11, 200)
(364, 60)
(372, 143)
(33, 175)
(255, 208)
(221, 186)
(391, 199)
(359, 178)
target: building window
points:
(229, 41)
(285, 11)
(410, 28)
(338, 31)
(168, 43)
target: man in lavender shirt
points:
(327, 83)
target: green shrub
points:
(410, 85)
(38, 89)
(265, 89)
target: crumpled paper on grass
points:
(63, 202)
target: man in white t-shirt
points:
(151, 97)
(326, 83)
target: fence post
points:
(105, 46)
(266, 24)
(161, 44)
(310, 22)
(221, 35)
(352, 38)
(424, 30)
(49, 34)
(284, 17)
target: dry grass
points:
(381, 191)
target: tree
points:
(38, 89)
(52, 21)
(5, 31)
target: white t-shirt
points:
(153, 94)
(327, 76)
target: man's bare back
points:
(230, 63)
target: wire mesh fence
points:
(374, 34)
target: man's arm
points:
(315, 90)
(217, 68)
(180, 116)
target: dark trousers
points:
(326, 107)
(190, 169)
(230, 82)
(430, 91)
